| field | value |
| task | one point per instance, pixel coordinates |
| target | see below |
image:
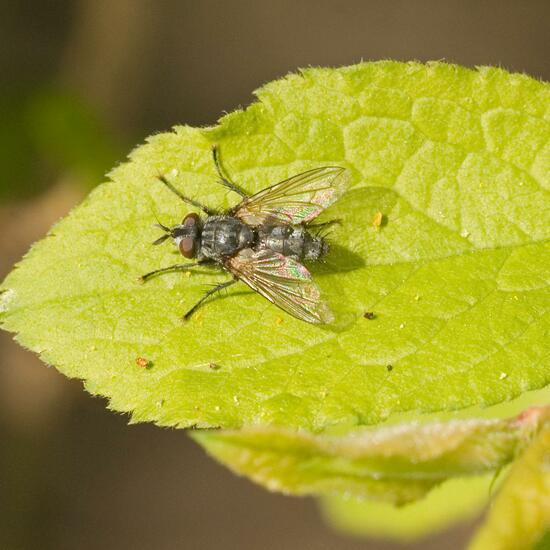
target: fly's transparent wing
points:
(296, 200)
(283, 281)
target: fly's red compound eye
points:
(187, 247)
(190, 219)
(188, 243)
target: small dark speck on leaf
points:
(143, 363)
(389, 368)
(214, 366)
(369, 315)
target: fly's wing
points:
(296, 200)
(283, 281)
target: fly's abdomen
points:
(224, 236)
(292, 241)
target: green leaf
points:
(520, 515)
(456, 160)
(397, 463)
(455, 500)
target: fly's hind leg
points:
(322, 225)
(224, 180)
(217, 288)
(322, 229)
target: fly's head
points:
(186, 235)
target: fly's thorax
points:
(224, 236)
(292, 240)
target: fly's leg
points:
(323, 225)
(321, 230)
(185, 199)
(217, 288)
(224, 180)
(170, 269)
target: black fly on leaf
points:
(263, 240)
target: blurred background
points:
(81, 83)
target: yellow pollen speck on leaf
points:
(143, 363)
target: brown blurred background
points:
(83, 81)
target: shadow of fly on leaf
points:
(263, 240)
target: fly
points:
(263, 240)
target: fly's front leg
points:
(224, 180)
(217, 288)
(185, 199)
(170, 269)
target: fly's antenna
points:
(160, 225)
(160, 240)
